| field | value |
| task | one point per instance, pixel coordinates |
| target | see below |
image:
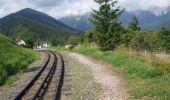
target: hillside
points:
(147, 20)
(39, 24)
(13, 58)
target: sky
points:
(61, 8)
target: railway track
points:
(47, 84)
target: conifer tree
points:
(106, 23)
(134, 24)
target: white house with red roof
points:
(20, 41)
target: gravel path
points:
(114, 88)
(79, 83)
(10, 93)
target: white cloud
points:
(72, 8)
(59, 8)
(46, 3)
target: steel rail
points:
(61, 79)
(44, 86)
(31, 83)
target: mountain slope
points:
(40, 24)
(147, 20)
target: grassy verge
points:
(13, 60)
(148, 77)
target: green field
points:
(147, 76)
(13, 60)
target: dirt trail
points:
(114, 88)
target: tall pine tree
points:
(106, 23)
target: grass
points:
(13, 60)
(147, 76)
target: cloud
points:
(60, 8)
(55, 8)
(155, 6)
(74, 8)
(46, 3)
(11, 6)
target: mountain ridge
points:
(147, 19)
(37, 22)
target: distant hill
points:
(80, 22)
(38, 23)
(147, 20)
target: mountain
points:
(37, 23)
(80, 22)
(147, 20)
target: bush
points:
(75, 40)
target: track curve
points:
(47, 84)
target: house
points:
(20, 41)
(45, 44)
(39, 47)
(42, 45)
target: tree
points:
(138, 42)
(150, 41)
(90, 36)
(126, 37)
(106, 23)
(164, 38)
(74, 40)
(134, 24)
(130, 38)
